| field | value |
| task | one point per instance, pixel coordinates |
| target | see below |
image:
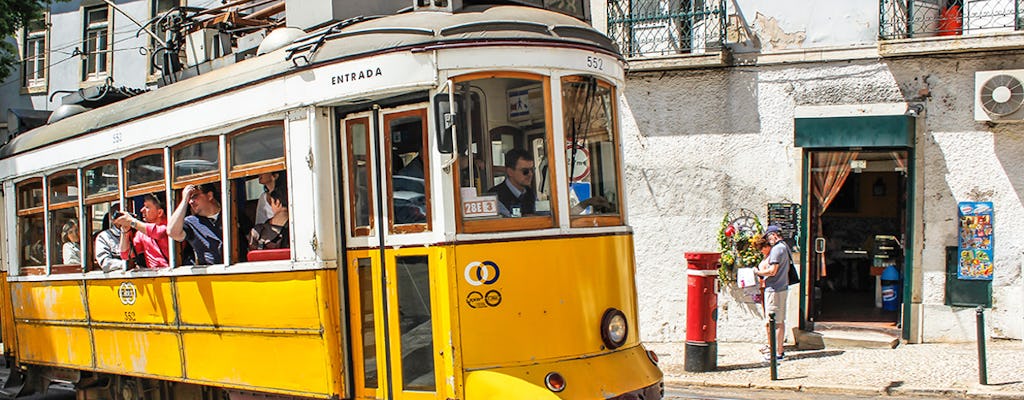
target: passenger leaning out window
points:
(203, 229)
(145, 241)
(108, 242)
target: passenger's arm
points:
(176, 224)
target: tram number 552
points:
(129, 316)
(595, 63)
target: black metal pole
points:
(773, 362)
(982, 362)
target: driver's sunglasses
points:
(526, 171)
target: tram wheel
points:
(126, 388)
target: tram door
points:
(390, 289)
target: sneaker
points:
(778, 358)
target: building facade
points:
(866, 117)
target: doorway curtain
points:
(829, 170)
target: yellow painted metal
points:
(600, 377)
(55, 345)
(361, 345)
(546, 299)
(395, 323)
(152, 303)
(7, 333)
(268, 300)
(145, 352)
(48, 300)
(287, 362)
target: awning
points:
(858, 131)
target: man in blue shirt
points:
(776, 284)
(516, 196)
(203, 229)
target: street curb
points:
(863, 390)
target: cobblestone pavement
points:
(932, 370)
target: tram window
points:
(360, 195)
(257, 145)
(65, 235)
(196, 159)
(104, 250)
(101, 244)
(101, 179)
(262, 217)
(147, 168)
(31, 236)
(257, 167)
(508, 151)
(196, 223)
(368, 335)
(409, 185)
(415, 323)
(148, 239)
(592, 150)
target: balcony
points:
(650, 28)
(908, 19)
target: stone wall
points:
(699, 143)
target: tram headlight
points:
(614, 328)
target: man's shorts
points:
(775, 302)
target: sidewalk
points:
(933, 370)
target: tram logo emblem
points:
(482, 273)
(480, 300)
(127, 293)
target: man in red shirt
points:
(148, 237)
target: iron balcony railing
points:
(900, 19)
(663, 27)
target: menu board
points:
(787, 217)
(975, 240)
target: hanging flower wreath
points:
(741, 229)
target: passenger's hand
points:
(188, 192)
(123, 221)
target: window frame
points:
(502, 224)
(22, 212)
(243, 171)
(51, 210)
(88, 200)
(389, 173)
(87, 29)
(145, 187)
(256, 167)
(616, 219)
(350, 175)
(197, 178)
(37, 84)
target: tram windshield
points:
(504, 171)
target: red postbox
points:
(701, 311)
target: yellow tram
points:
(405, 273)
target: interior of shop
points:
(861, 233)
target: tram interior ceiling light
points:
(614, 328)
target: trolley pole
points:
(982, 362)
(773, 362)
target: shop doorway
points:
(857, 225)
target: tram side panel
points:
(532, 307)
(270, 332)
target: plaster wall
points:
(699, 143)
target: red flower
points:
(729, 231)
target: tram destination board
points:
(787, 217)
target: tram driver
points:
(516, 196)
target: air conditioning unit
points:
(999, 95)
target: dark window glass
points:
(257, 145)
(101, 179)
(196, 158)
(367, 332)
(415, 323)
(145, 169)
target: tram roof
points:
(425, 30)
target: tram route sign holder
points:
(787, 217)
